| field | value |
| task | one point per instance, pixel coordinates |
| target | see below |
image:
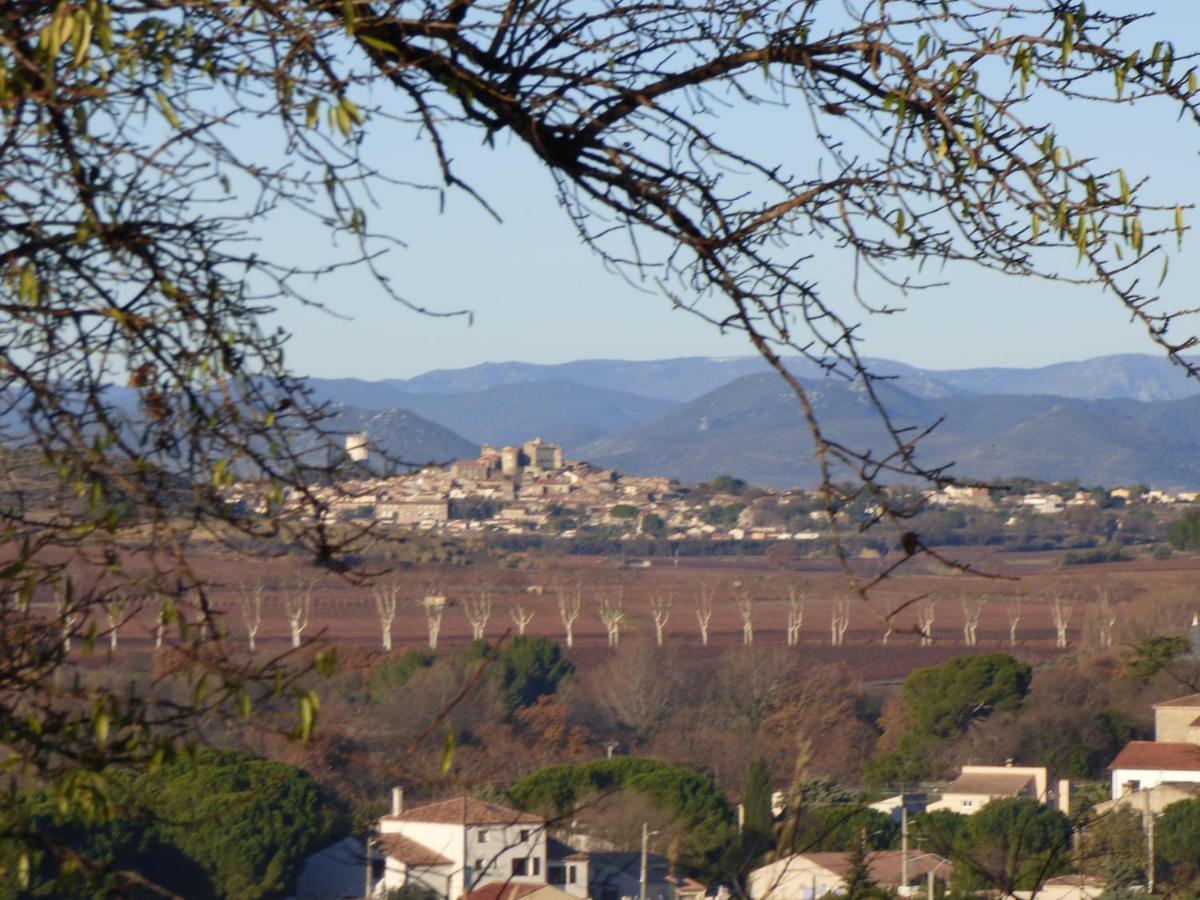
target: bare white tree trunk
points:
(114, 609)
(570, 602)
(925, 616)
(1106, 619)
(297, 606)
(660, 608)
(795, 615)
(434, 606)
(68, 615)
(972, 608)
(478, 610)
(521, 617)
(1014, 619)
(839, 621)
(745, 607)
(1060, 610)
(704, 610)
(387, 598)
(251, 602)
(612, 611)
(160, 626)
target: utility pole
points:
(1148, 823)
(645, 859)
(370, 868)
(903, 847)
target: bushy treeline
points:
(213, 824)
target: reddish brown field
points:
(1149, 597)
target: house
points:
(616, 875)
(979, 785)
(509, 890)
(454, 846)
(1173, 757)
(895, 807)
(1155, 799)
(1067, 887)
(806, 876)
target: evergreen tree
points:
(859, 883)
(758, 830)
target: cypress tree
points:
(758, 832)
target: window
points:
(968, 803)
(520, 866)
(482, 836)
(570, 874)
(478, 864)
(524, 834)
(537, 865)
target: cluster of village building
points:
(468, 849)
(523, 489)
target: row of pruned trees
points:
(609, 605)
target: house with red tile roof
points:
(453, 847)
(978, 785)
(807, 876)
(1173, 757)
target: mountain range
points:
(1108, 420)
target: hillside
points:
(752, 428)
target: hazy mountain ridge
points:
(558, 411)
(1125, 376)
(753, 428)
(1108, 420)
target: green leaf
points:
(379, 44)
(447, 752)
(100, 724)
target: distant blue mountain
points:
(753, 428)
(557, 411)
(1129, 376)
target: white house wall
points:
(1148, 778)
(794, 878)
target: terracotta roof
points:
(1189, 700)
(466, 811)
(1161, 755)
(885, 865)
(502, 890)
(1000, 784)
(410, 852)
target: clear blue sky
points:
(539, 296)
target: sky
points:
(536, 294)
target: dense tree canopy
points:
(222, 825)
(702, 814)
(940, 702)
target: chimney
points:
(397, 800)
(1064, 796)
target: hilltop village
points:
(533, 488)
